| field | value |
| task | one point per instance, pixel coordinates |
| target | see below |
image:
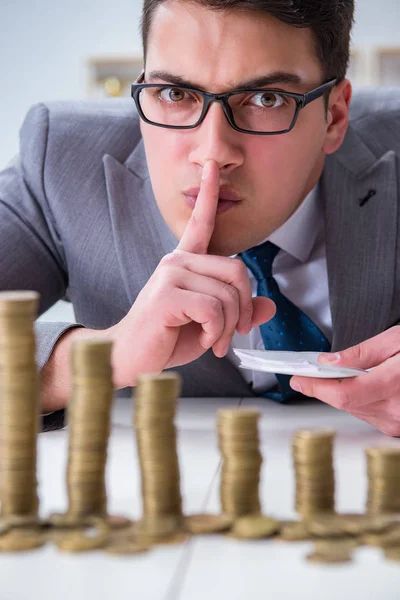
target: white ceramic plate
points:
(292, 363)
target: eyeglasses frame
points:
(302, 100)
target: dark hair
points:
(330, 21)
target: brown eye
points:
(176, 94)
(268, 100)
(172, 95)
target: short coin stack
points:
(19, 406)
(156, 400)
(240, 447)
(383, 469)
(314, 472)
(89, 413)
(331, 551)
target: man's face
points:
(217, 51)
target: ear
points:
(337, 116)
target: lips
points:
(227, 198)
(225, 193)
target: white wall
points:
(44, 44)
(43, 48)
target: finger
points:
(185, 306)
(263, 310)
(227, 294)
(367, 354)
(197, 235)
(231, 271)
(351, 394)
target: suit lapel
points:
(141, 235)
(360, 240)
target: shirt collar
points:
(298, 234)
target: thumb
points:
(368, 354)
(263, 310)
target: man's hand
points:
(373, 397)
(192, 302)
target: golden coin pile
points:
(93, 535)
(19, 405)
(314, 472)
(253, 527)
(239, 444)
(156, 400)
(331, 551)
(383, 469)
(204, 523)
(89, 415)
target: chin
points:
(224, 248)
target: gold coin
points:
(126, 547)
(388, 452)
(336, 545)
(296, 531)
(392, 538)
(158, 525)
(71, 520)
(255, 526)
(392, 553)
(20, 540)
(20, 520)
(207, 523)
(325, 526)
(165, 385)
(316, 557)
(352, 523)
(80, 541)
(373, 539)
(313, 435)
(377, 523)
(118, 521)
(4, 527)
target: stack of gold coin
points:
(383, 469)
(89, 413)
(331, 551)
(314, 472)
(240, 447)
(155, 400)
(19, 405)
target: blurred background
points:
(59, 49)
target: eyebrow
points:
(276, 77)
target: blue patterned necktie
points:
(290, 328)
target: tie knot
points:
(259, 259)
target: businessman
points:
(231, 202)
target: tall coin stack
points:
(19, 405)
(156, 399)
(383, 469)
(314, 471)
(239, 444)
(89, 416)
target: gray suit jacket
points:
(78, 218)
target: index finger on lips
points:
(197, 235)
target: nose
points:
(216, 140)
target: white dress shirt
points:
(301, 273)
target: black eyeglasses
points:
(255, 111)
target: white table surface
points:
(207, 567)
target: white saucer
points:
(292, 363)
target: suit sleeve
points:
(31, 251)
